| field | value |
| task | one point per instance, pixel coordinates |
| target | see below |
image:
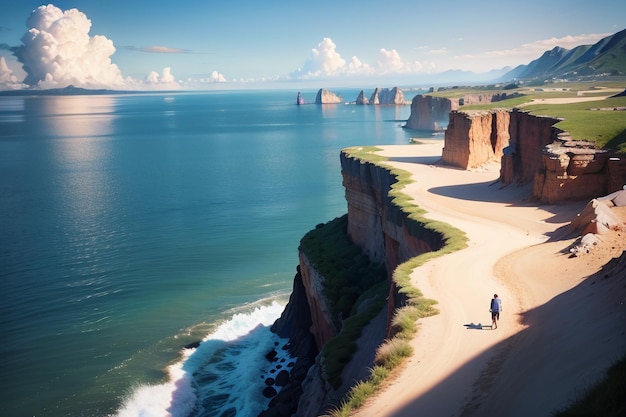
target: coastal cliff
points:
(385, 234)
(431, 113)
(475, 138)
(531, 150)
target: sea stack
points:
(327, 97)
(299, 99)
(361, 99)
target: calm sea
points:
(134, 225)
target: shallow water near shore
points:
(135, 225)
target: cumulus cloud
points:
(325, 61)
(163, 81)
(216, 77)
(57, 51)
(8, 81)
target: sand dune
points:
(557, 333)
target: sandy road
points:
(460, 366)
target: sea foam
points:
(224, 375)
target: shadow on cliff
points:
(530, 373)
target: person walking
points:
(495, 308)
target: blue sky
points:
(209, 44)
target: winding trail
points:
(460, 366)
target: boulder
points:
(596, 218)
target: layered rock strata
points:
(531, 150)
(386, 234)
(431, 113)
(476, 138)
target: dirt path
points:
(460, 366)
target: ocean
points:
(134, 226)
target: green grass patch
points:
(594, 121)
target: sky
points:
(208, 44)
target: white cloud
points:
(8, 81)
(527, 52)
(164, 81)
(57, 51)
(325, 61)
(217, 77)
(162, 50)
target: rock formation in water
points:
(361, 99)
(327, 97)
(299, 99)
(386, 96)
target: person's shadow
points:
(478, 326)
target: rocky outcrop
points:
(529, 134)
(327, 97)
(361, 99)
(430, 113)
(571, 170)
(468, 99)
(597, 218)
(386, 96)
(531, 150)
(475, 138)
(296, 324)
(299, 99)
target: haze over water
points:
(133, 225)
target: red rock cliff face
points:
(322, 326)
(431, 113)
(529, 134)
(376, 224)
(532, 150)
(476, 138)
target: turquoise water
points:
(133, 225)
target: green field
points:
(601, 121)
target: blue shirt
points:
(496, 305)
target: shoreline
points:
(517, 249)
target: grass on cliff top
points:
(595, 121)
(392, 353)
(600, 122)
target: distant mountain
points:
(607, 57)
